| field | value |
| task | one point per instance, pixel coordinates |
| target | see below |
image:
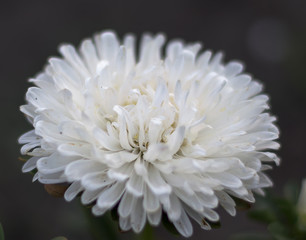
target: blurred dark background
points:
(268, 36)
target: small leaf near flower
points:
(56, 190)
(24, 158)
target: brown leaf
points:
(22, 159)
(56, 190)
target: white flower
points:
(179, 133)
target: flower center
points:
(144, 124)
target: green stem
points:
(101, 228)
(147, 233)
(1, 232)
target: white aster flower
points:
(179, 132)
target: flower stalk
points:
(101, 227)
(147, 233)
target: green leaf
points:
(286, 211)
(251, 236)
(292, 191)
(264, 216)
(147, 233)
(101, 227)
(59, 238)
(280, 213)
(1, 232)
(300, 235)
(279, 231)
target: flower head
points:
(179, 132)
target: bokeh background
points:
(268, 36)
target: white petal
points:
(78, 169)
(240, 81)
(74, 189)
(64, 70)
(89, 53)
(125, 223)
(110, 196)
(211, 215)
(120, 174)
(129, 43)
(226, 202)
(75, 149)
(191, 200)
(117, 159)
(227, 179)
(53, 163)
(120, 63)
(183, 225)
(175, 208)
(232, 69)
(157, 151)
(28, 110)
(215, 61)
(141, 167)
(96, 180)
(89, 196)
(203, 59)
(156, 183)
(30, 164)
(176, 139)
(264, 180)
(126, 205)
(138, 217)
(161, 94)
(109, 46)
(97, 211)
(155, 217)
(150, 201)
(28, 137)
(209, 201)
(25, 149)
(106, 141)
(198, 217)
(135, 185)
(53, 178)
(74, 59)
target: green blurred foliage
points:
(1, 232)
(279, 214)
(101, 227)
